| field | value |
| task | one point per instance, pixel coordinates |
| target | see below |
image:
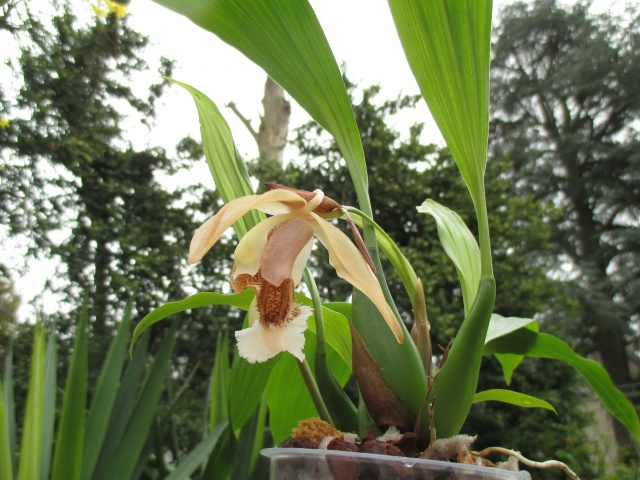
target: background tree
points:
(565, 96)
(74, 188)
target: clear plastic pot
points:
(306, 464)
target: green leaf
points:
(134, 437)
(221, 461)
(533, 344)
(67, 461)
(287, 396)
(461, 247)
(105, 396)
(8, 429)
(6, 460)
(500, 326)
(513, 398)
(251, 433)
(204, 299)
(49, 406)
(286, 40)
(124, 405)
(447, 44)
(198, 455)
(336, 326)
(219, 408)
(31, 445)
(457, 381)
(227, 168)
(247, 383)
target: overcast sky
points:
(360, 32)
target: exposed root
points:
(525, 461)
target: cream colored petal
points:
(351, 265)
(253, 313)
(259, 343)
(248, 253)
(272, 202)
(283, 202)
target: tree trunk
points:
(274, 124)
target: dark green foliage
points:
(74, 188)
(565, 96)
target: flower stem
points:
(321, 343)
(312, 386)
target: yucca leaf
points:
(219, 406)
(198, 454)
(287, 41)
(6, 460)
(8, 430)
(221, 461)
(124, 405)
(49, 405)
(461, 247)
(259, 438)
(513, 398)
(447, 44)
(105, 396)
(31, 445)
(67, 462)
(133, 439)
(250, 433)
(534, 344)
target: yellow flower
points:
(118, 9)
(4, 122)
(271, 257)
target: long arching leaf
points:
(533, 344)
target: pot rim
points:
(284, 453)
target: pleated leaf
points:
(285, 38)
(447, 44)
(513, 398)
(204, 299)
(288, 398)
(461, 247)
(227, 168)
(534, 344)
(67, 461)
(246, 386)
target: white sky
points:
(360, 32)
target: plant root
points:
(525, 461)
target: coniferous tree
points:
(565, 96)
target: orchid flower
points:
(271, 258)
